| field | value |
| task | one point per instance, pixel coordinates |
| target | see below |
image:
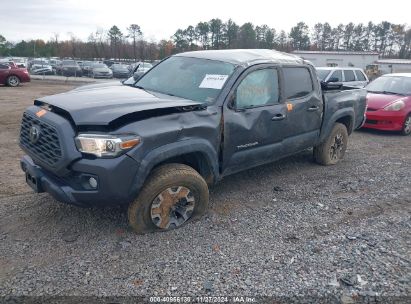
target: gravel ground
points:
(292, 230)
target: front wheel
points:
(173, 195)
(333, 148)
(13, 81)
(406, 129)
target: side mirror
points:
(231, 101)
(327, 86)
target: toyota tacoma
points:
(157, 144)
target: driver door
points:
(253, 120)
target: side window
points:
(349, 75)
(297, 82)
(337, 75)
(4, 66)
(360, 76)
(257, 89)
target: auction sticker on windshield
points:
(212, 81)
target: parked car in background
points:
(69, 68)
(12, 75)
(120, 70)
(54, 63)
(20, 62)
(100, 70)
(351, 77)
(38, 61)
(86, 67)
(41, 68)
(389, 103)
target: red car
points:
(389, 103)
(12, 75)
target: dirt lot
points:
(292, 230)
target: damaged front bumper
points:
(113, 180)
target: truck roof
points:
(245, 56)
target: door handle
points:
(313, 108)
(278, 117)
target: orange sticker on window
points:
(289, 106)
(41, 113)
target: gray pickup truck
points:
(157, 144)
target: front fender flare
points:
(168, 151)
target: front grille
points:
(47, 148)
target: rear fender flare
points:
(328, 126)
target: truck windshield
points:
(191, 78)
(391, 85)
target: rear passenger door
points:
(304, 108)
(362, 80)
(349, 78)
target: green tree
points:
(134, 32)
(215, 26)
(180, 40)
(299, 36)
(3, 44)
(203, 31)
(231, 32)
(115, 36)
(247, 36)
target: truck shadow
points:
(248, 189)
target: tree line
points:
(389, 39)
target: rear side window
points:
(337, 75)
(349, 75)
(297, 82)
(360, 76)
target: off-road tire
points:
(162, 178)
(322, 153)
(406, 128)
(13, 81)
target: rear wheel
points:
(333, 149)
(173, 195)
(406, 128)
(13, 81)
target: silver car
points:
(348, 76)
(100, 70)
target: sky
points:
(159, 19)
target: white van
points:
(348, 76)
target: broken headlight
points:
(106, 145)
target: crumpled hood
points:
(379, 101)
(101, 105)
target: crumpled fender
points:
(168, 151)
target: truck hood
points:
(379, 101)
(101, 105)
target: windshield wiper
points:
(386, 92)
(392, 93)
